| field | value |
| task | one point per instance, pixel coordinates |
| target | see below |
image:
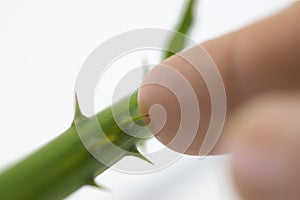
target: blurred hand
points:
(260, 67)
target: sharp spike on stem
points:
(135, 152)
(78, 114)
(135, 119)
(94, 184)
(139, 155)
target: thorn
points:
(78, 114)
(139, 155)
(94, 184)
(134, 152)
(135, 119)
(77, 108)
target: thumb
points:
(265, 141)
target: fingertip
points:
(160, 104)
(179, 89)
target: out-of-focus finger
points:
(265, 141)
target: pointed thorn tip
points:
(135, 152)
(139, 155)
(78, 114)
(94, 184)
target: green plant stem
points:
(64, 165)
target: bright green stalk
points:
(64, 165)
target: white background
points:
(42, 47)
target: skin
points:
(260, 67)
